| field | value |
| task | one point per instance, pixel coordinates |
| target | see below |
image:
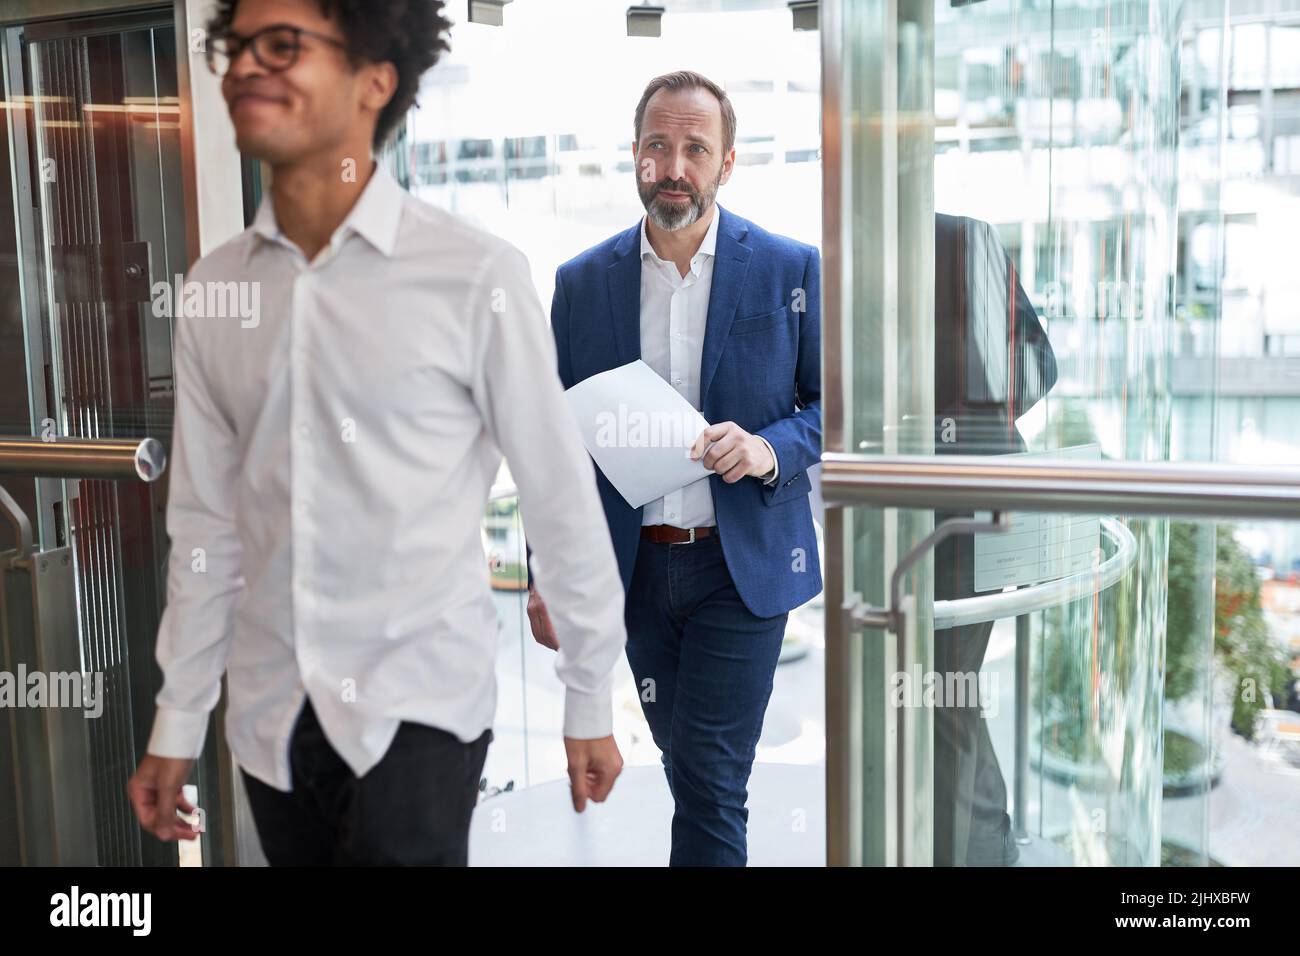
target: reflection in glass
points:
(992, 362)
(1056, 130)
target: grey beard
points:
(673, 219)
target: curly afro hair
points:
(406, 33)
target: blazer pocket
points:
(759, 323)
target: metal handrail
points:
(981, 608)
(105, 458)
(18, 520)
(1013, 483)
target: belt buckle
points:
(691, 536)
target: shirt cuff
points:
(178, 733)
(770, 478)
(588, 716)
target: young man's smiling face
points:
(319, 105)
(680, 158)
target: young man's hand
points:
(155, 792)
(539, 619)
(593, 767)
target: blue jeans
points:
(703, 666)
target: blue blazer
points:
(760, 368)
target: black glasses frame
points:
(230, 45)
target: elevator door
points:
(97, 198)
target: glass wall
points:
(1232, 376)
(1069, 117)
(1110, 188)
(1031, 150)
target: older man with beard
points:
(728, 314)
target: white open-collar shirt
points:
(330, 465)
(674, 314)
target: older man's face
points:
(680, 162)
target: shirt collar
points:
(708, 246)
(374, 216)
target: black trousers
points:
(412, 808)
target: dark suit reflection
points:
(992, 363)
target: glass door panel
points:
(1003, 207)
(95, 187)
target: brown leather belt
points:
(667, 534)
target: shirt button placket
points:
(672, 503)
(300, 464)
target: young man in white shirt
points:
(332, 456)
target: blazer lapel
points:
(625, 295)
(730, 266)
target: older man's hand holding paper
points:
(640, 431)
(649, 441)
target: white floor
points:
(538, 827)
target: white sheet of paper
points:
(639, 430)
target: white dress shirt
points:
(674, 313)
(330, 466)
